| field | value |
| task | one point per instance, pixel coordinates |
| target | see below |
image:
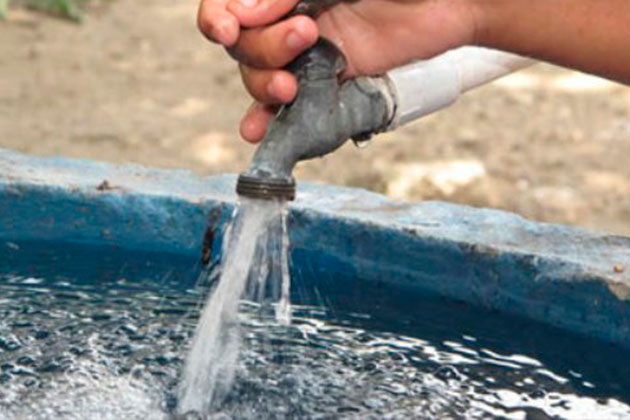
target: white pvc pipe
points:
(423, 87)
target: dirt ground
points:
(136, 82)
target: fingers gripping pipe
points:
(324, 115)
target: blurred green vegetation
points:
(69, 9)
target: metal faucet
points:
(325, 114)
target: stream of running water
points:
(254, 266)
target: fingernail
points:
(295, 40)
(248, 3)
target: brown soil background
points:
(137, 83)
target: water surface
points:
(102, 333)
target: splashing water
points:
(84, 340)
(254, 265)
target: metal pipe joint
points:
(325, 114)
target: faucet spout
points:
(322, 118)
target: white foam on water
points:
(89, 391)
(258, 228)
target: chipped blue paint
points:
(559, 275)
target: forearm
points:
(588, 35)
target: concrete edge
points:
(555, 274)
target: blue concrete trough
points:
(574, 279)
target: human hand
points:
(374, 35)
